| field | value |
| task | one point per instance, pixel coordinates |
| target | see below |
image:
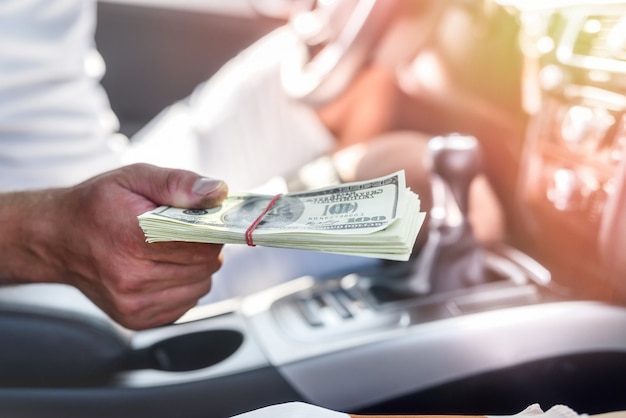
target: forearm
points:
(25, 236)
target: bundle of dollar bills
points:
(377, 218)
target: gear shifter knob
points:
(454, 161)
(451, 257)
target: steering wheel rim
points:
(318, 78)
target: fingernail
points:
(205, 185)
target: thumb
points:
(173, 187)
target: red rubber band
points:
(258, 220)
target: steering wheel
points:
(336, 39)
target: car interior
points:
(532, 97)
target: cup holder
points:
(187, 352)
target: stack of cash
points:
(377, 218)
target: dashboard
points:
(576, 138)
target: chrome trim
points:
(401, 360)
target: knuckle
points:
(131, 307)
(123, 287)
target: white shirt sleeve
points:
(56, 124)
(293, 410)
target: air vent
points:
(602, 36)
(594, 39)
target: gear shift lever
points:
(451, 258)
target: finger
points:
(185, 253)
(153, 277)
(166, 306)
(180, 188)
(177, 300)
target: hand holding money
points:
(377, 218)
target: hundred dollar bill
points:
(378, 218)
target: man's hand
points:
(88, 236)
